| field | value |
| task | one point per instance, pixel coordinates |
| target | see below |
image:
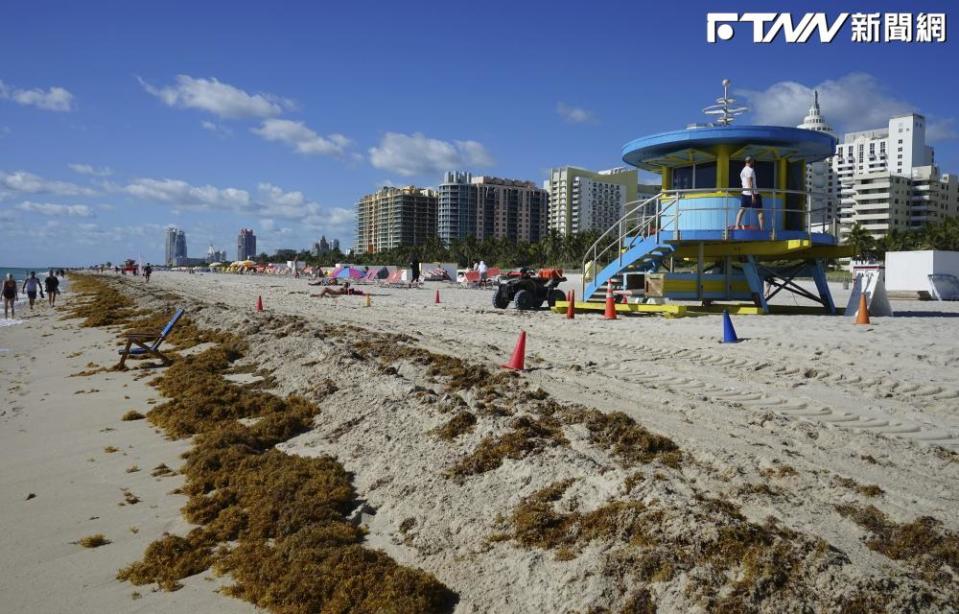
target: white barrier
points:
(872, 284)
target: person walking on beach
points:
(9, 296)
(415, 268)
(751, 198)
(53, 288)
(482, 268)
(31, 286)
(146, 272)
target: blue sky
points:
(119, 118)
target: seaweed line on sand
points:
(276, 523)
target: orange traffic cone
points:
(862, 316)
(259, 303)
(518, 361)
(610, 313)
(436, 299)
(571, 305)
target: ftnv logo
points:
(767, 26)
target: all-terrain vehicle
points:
(529, 290)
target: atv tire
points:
(526, 300)
(553, 296)
(501, 298)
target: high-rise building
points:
(581, 200)
(392, 217)
(822, 185)
(215, 255)
(246, 244)
(456, 215)
(169, 244)
(323, 247)
(491, 207)
(175, 245)
(889, 181)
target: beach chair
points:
(471, 279)
(395, 279)
(390, 279)
(141, 340)
(492, 274)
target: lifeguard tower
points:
(682, 245)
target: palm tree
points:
(864, 244)
(898, 241)
(944, 235)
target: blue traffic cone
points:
(729, 333)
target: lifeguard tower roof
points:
(699, 144)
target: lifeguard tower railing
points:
(672, 216)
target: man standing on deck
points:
(751, 198)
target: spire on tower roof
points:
(815, 121)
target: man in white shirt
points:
(751, 198)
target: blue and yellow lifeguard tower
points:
(682, 245)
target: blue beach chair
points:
(141, 340)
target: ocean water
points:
(21, 273)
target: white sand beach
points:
(60, 484)
(799, 418)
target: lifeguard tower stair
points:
(643, 256)
(633, 244)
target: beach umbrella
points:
(351, 272)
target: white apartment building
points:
(822, 185)
(935, 196)
(582, 200)
(889, 181)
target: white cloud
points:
(417, 154)
(88, 169)
(857, 101)
(276, 207)
(275, 195)
(274, 202)
(52, 99)
(93, 234)
(940, 129)
(55, 209)
(299, 136)
(339, 215)
(186, 196)
(22, 181)
(574, 115)
(216, 97)
(217, 129)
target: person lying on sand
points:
(344, 289)
(323, 282)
